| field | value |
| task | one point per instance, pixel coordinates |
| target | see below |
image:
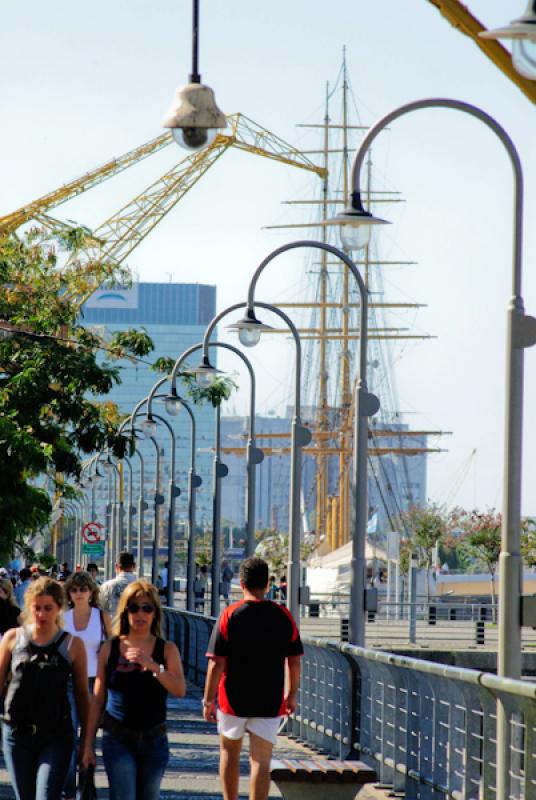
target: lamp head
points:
(205, 373)
(193, 117)
(249, 328)
(173, 403)
(524, 27)
(355, 224)
(148, 427)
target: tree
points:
(484, 540)
(273, 547)
(425, 527)
(50, 377)
(528, 541)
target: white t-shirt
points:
(91, 636)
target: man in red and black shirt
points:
(250, 645)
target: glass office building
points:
(175, 316)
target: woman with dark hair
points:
(37, 730)
(137, 669)
(9, 610)
(85, 619)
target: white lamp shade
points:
(148, 426)
(355, 236)
(173, 405)
(249, 335)
(524, 57)
(205, 379)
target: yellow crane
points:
(119, 235)
(461, 18)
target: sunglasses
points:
(133, 608)
(76, 589)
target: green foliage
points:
(528, 541)
(218, 391)
(50, 377)
(483, 531)
(273, 547)
(426, 527)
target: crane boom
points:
(244, 135)
(461, 18)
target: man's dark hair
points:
(125, 560)
(24, 574)
(254, 573)
(92, 565)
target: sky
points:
(81, 84)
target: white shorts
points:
(235, 727)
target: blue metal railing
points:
(428, 729)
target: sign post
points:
(92, 544)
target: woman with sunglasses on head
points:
(137, 670)
(86, 620)
(37, 729)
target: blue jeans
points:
(69, 789)
(37, 764)
(135, 771)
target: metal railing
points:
(428, 729)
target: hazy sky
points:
(82, 83)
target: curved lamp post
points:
(366, 405)
(249, 334)
(149, 427)
(173, 405)
(521, 334)
(116, 515)
(254, 457)
(142, 505)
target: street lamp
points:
(174, 404)
(366, 405)
(300, 437)
(254, 455)
(521, 334)
(194, 118)
(149, 425)
(522, 32)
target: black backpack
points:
(37, 695)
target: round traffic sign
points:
(91, 532)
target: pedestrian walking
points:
(283, 590)
(93, 626)
(163, 580)
(254, 643)
(93, 570)
(111, 591)
(200, 587)
(25, 580)
(9, 610)
(37, 731)
(64, 572)
(226, 578)
(136, 671)
(273, 589)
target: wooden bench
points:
(320, 779)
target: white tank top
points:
(91, 636)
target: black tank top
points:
(135, 697)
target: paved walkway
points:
(192, 773)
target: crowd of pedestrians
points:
(76, 656)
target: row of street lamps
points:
(521, 334)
